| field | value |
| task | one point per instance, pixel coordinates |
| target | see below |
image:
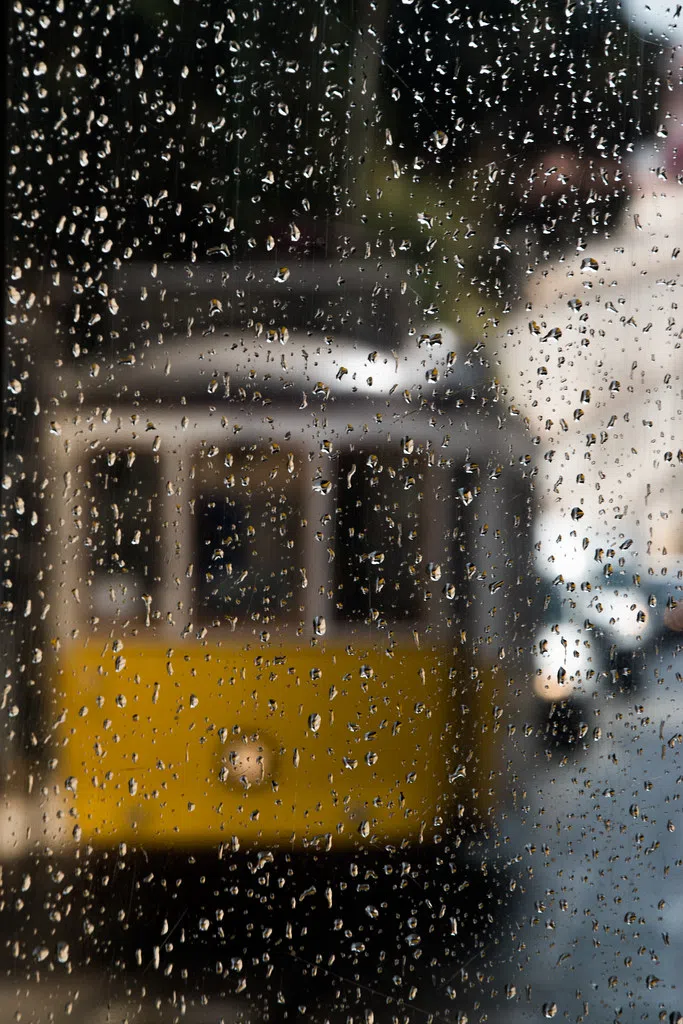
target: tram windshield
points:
(122, 532)
(247, 521)
(379, 536)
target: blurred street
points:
(600, 935)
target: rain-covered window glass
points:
(341, 512)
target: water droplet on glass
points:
(319, 625)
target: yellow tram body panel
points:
(284, 745)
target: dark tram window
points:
(247, 522)
(378, 537)
(122, 532)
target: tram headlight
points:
(246, 764)
(563, 663)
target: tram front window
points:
(247, 516)
(378, 536)
(121, 532)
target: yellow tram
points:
(285, 528)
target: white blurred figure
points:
(595, 364)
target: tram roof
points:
(339, 369)
(352, 330)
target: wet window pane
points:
(340, 512)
